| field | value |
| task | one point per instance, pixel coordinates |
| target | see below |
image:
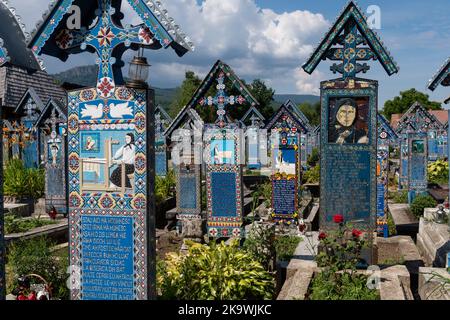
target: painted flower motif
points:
(240, 100)
(140, 163)
(338, 218)
(105, 36)
(213, 232)
(105, 87)
(236, 232)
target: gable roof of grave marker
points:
(304, 119)
(422, 118)
(13, 39)
(163, 112)
(152, 13)
(253, 111)
(384, 123)
(285, 109)
(186, 115)
(59, 106)
(218, 67)
(375, 50)
(29, 94)
(442, 77)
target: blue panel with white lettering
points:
(284, 196)
(160, 164)
(223, 189)
(107, 258)
(188, 193)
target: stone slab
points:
(432, 287)
(433, 242)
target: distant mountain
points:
(87, 76)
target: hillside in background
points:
(87, 76)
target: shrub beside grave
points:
(339, 256)
(285, 247)
(21, 182)
(15, 225)
(438, 172)
(312, 175)
(214, 272)
(35, 257)
(420, 203)
(400, 197)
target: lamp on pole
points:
(139, 71)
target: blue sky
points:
(271, 39)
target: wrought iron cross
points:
(105, 37)
(221, 100)
(349, 53)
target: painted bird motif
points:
(92, 111)
(118, 111)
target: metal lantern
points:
(138, 72)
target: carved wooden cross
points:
(221, 100)
(105, 37)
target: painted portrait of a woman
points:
(125, 155)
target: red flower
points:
(338, 218)
(356, 233)
(322, 236)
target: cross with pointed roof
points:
(351, 40)
(107, 38)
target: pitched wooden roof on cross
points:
(107, 37)
(349, 41)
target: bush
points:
(313, 158)
(438, 172)
(265, 190)
(215, 272)
(420, 203)
(22, 182)
(260, 244)
(165, 187)
(35, 257)
(339, 257)
(401, 197)
(312, 175)
(14, 225)
(285, 247)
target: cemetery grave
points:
(219, 197)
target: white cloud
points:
(256, 42)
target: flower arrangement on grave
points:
(339, 257)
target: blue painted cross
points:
(221, 100)
(105, 37)
(349, 54)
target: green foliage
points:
(342, 287)
(35, 257)
(265, 190)
(312, 175)
(312, 112)
(214, 272)
(438, 172)
(391, 226)
(401, 104)
(165, 187)
(314, 157)
(400, 197)
(14, 225)
(285, 247)
(264, 95)
(339, 255)
(260, 244)
(22, 182)
(184, 93)
(420, 203)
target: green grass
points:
(17, 225)
(285, 247)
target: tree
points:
(312, 112)
(185, 92)
(264, 95)
(401, 104)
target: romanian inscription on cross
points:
(105, 37)
(221, 100)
